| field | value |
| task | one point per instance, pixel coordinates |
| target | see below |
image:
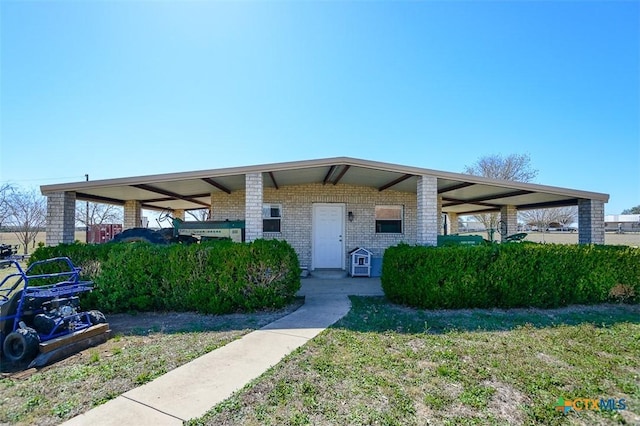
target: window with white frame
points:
(271, 217)
(389, 219)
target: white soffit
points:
(190, 190)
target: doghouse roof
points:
(461, 193)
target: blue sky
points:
(123, 88)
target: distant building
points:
(622, 223)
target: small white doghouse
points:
(360, 262)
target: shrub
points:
(509, 275)
(213, 277)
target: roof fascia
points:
(326, 162)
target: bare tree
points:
(540, 218)
(565, 216)
(6, 189)
(98, 213)
(514, 167)
(543, 218)
(27, 215)
(199, 214)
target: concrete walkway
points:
(193, 389)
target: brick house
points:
(327, 207)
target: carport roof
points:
(461, 193)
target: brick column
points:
(508, 216)
(452, 222)
(61, 218)
(590, 222)
(440, 218)
(132, 214)
(253, 206)
(428, 217)
(211, 201)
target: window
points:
(389, 219)
(271, 215)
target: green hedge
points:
(510, 275)
(215, 277)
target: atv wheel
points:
(97, 317)
(21, 345)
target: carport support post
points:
(427, 214)
(61, 218)
(590, 222)
(253, 206)
(452, 223)
(509, 216)
(440, 219)
(132, 214)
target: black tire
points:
(166, 234)
(502, 227)
(44, 324)
(97, 317)
(21, 345)
(187, 239)
(139, 235)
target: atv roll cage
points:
(31, 314)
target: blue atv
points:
(40, 315)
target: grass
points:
(8, 270)
(556, 237)
(611, 238)
(147, 346)
(11, 239)
(391, 365)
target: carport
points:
(434, 192)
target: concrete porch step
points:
(329, 274)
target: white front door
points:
(328, 236)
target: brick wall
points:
(61, 218)
(132, 214)
(590, 222)
(452, 223)
(253, 206)
(428, 216)
(296, 225)
(440, 218)
(178, 213)
(509, 216)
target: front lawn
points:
(144, 346)
(391, 365)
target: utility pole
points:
(86, 177)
